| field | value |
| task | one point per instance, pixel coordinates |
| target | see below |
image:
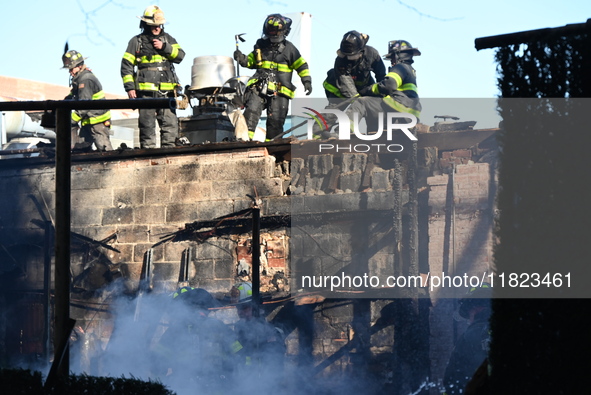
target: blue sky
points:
(35, 32)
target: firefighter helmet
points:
(197, 297)
(276, 27)
(241, 293)
(72, 59)
(475, 297)
(396, 48)
(153, 16)
(352, 43)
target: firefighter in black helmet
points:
(94, 124)
(274, 58)
(397, 92)
(353, 66)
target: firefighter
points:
(197, 351)
(270, 88)
(94, 124)
(397, 92)
(471, 349)
(147, 69)
(264, 344)
(353, 66)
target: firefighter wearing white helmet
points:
(147, 70)
(94, 125)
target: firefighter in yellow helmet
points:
(94, 124)
(147, 70)
(270, 88)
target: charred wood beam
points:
(47, 248)
(202, 230)
(146, 278)
(90, 308)
(531, 35)
(62, 240)
(61, 357)
(113, 104)
(46, 156)
(97, 243)
(413, 211)
(186, 259)
(86, 239)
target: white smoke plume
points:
(203, 359)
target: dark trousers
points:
(97, 134)
(167, 120)
(276, 106)
(368, 107)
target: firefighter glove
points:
(366, 91)
(240, 58)
(308, 87)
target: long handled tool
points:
(238, 38)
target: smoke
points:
(153, 337)
(187, 349)
(191, 351)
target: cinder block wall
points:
(141, 200)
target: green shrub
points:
(26, 382)
(20, 382)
